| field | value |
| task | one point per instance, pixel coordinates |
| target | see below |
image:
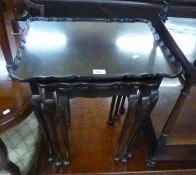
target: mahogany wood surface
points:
(56, 48)
(4, 43)
(14, 95)
(183, 32)
(14, 23)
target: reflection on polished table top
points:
(183, 30)
(62, 48)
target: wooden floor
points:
(92, 140)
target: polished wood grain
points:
(4, 43)
(13, 20)
(121, 47)
(180, 30)
(184, 130)
(174, 114)
(14, 96)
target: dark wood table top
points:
(91, 49)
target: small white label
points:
(7, 111)
(99, 71)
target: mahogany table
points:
(64, 58)
(181, 34)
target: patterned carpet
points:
(21, 142)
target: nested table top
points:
(92, 48)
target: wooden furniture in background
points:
(14, 96)
(18, 10)
(163, 148)
(11, 9)
(4, 42)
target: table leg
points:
(122, 108)
(135, 127)
(4, 42)
(132, 106)
(5, 163)
(147, 105)
(68, 113)
(14, 23)
(62, 105)
(49, 110)
(110, 118)
(36, 106)
(173, 117)
(116, 116)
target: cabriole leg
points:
(147, 106)
(127, 122)
(68, 113)
(122, 106)
(127, 153)
(49, 110)
(62, 104)
(36, 106)
(110, 118)
(116, 116)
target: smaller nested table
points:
(65, 58)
